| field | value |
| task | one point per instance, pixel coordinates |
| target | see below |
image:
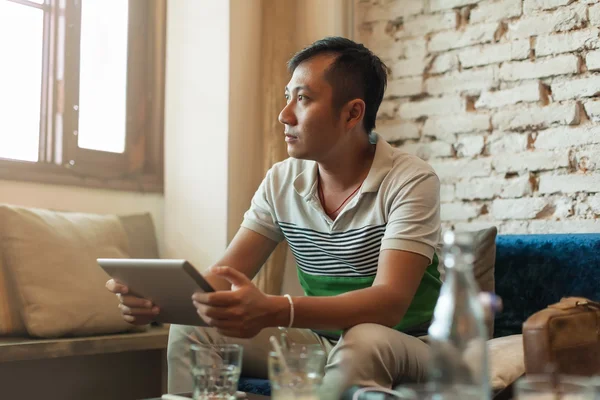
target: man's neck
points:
(348, 167)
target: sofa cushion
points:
(506, 360)
(50, 257)
(141, 235)
(534, 271)
(11, 322)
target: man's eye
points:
(301, 97)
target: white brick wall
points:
(543, 68)
(531, 161)
(437, 5)
(536, 117)
(494, 53)
(592, 60)
(566, 42)
(446, 128)
(469, 81)
(405, 87)
(502, 97)
(561, 20)
(506, 142)
(496, 10)
(424, 24)
(394, 131)
(435, 106)
(576, 88)
(526, 93)
(531, 6)
(525, 208)
(475, 34)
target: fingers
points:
(133, 311)
(116, 287)
(134, 301)
(224, 298)
(218, 313)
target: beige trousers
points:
(366, 355)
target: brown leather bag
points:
(564, 337)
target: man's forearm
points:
(376, 304)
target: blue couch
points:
(531, 272)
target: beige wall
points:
(69, 198)
(501, 98)
(196, 130)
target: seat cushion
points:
(506, 360)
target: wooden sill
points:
(20, 349)
(57, 175)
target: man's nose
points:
(286, 116)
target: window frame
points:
(60, 160)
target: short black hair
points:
(355, 73)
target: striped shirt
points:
(397, 207)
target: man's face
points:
(312, 125)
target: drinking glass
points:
(299, 375)
(541, 387)
(216, 371)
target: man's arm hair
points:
(247, 252)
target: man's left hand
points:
(240, 312)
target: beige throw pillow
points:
(11, 323)
(50, 257)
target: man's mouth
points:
(290, 138)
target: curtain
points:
(278, 45)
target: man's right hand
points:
(135, 310)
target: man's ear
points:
(355, 112)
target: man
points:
(362, 220)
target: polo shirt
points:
(397, 207)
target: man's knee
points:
(366, 340)
(385, 351)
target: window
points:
(82, 97)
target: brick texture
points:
(536, 117)
(567, 42)
(494, 53)
(475, 34)
(493, 10)
(561, 20)
(424, 24)
(543, 68)
(525, 93)
(502, 98)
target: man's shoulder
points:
(406, 166)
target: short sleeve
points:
(260, 217)
(413, 222)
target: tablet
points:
(169, 284)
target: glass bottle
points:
(458, 334)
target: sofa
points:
(61, 333)
(529, 273)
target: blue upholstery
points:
(531, 272)
(254, 385)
